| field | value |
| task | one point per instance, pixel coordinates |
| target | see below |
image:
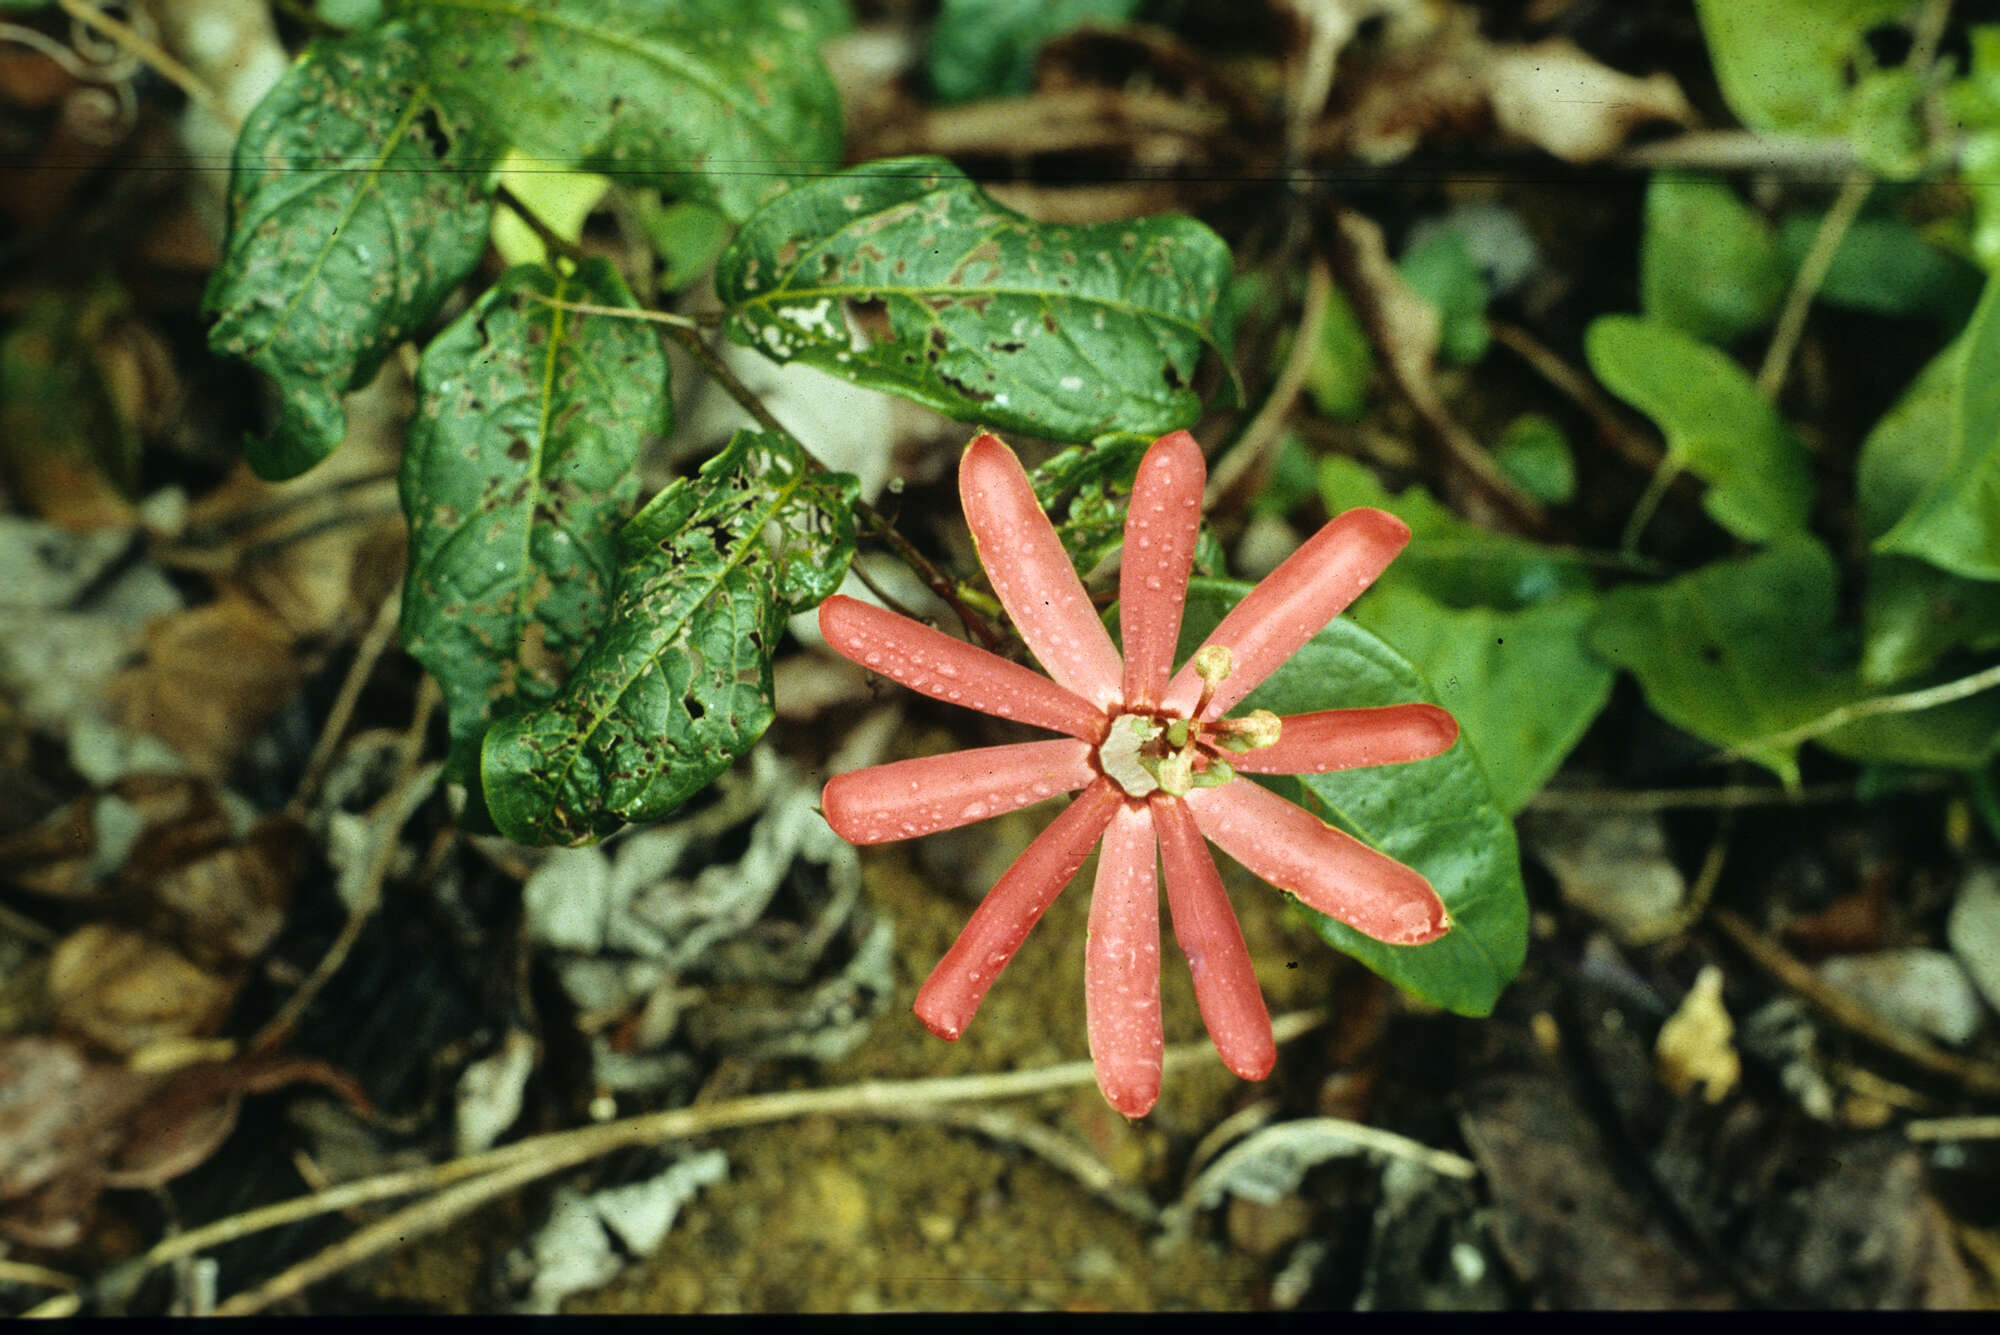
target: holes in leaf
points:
(428, 129)
(870, 318)
(976, 395)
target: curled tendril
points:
(106, 107)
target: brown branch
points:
(1850, 1014)
(1466, 471)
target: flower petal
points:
(948, 998)
(1294, 603)
(1032, 574)
(951, 670)
(1352, 739)
(1225, 985)
(1160, 529)
(1121, 965)
(1330, 871)
(932, 793)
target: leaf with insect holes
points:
(356, 204)
(518, 476)
(678, 682)
(721, 101)
(904, 276)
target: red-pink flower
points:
(1154, 754)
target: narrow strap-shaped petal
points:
(1225, 985)
(948, 998)
(1032, 574)
(1121, 965)
(1330, 871)
(932, 793)
(951, 670)
(1293, 603)
(1160, 530)
(1352, 739)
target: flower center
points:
(1165, 753)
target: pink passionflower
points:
(1155, 755)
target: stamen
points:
(1253, 732)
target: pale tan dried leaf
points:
(1557, 98)
(124, 991)
(1696, 1044)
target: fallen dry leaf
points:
(1696, 1044)
(124, 991)
(211, 678)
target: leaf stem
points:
(1909, 702)
(1854, 188)
(940, 583)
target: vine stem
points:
(1908, 702)
(1854, 188)
(940, 583)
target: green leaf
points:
(678, 683)
(1717, 425)
(1954, 522)
(1440, 269)
(1498, 623)
(356, 204)
(1436, 815)
(1912, 613)
(1338, 376)
(720, 100)
(1523, 685)
(1887, 266)
(1707, 265)
(1732, 652)
(904, 276)
(1784, 65)
(519, 474)
(1535, 454)
(1455, 563)
(987, 48)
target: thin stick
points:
(562, 1149)
(390, 814)
(1850, 1014)
(1255, 443)
(391, 1231)
(1854, 188)
(1909, 702)
(1953, 1128)
(1057, 1150)
(27, 1273)
(1632, 445)
(1599, 801)
(372, 647)
(940, 583)
(127, 37)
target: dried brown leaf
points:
(211, 678)
(124, 991)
